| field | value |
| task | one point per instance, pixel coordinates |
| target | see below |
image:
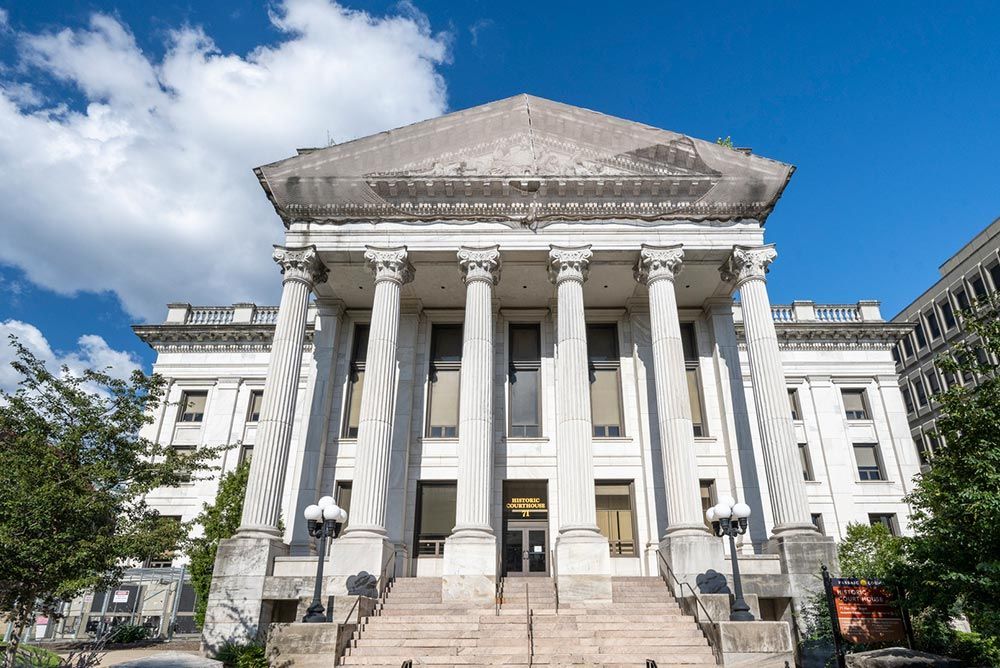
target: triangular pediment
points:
(524, 157)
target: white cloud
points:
(93, 353)
(147, 191)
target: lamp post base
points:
(315, 615)
(740, 612)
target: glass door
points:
(525, 548)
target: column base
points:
(236, 608)
(803, 554)
(360, 550)
(469, 569)
(697, 558)
(583, 566)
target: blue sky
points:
(889, 111)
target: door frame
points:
(525, 526)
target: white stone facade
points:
(607, 223)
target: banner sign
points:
(866, 611)
(526, 507)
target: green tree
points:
(73, 472)
(870, 551)
(219, 520)
(954, 555)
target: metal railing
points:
(431, 547)
(555, 579)
(498, 596)
(382, 587)
(707, 628)
(529, 625)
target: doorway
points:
(525, 545)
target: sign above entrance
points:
(526, 507)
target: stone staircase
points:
(643, 622)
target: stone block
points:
(758, 644)
(719, 606)
(468, 569)
(307, 645)
(698, 560)
(583, 567)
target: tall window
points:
(855, 406)
(907, 346)
(932, 324)
(523, 381)
(994, 270)
(793, 404)
(445, 370)
(888, 520)
(605, 380)
(932, 382)
(614, 516)
(907, 399)
(978, 286)
(918, 388)
(807, 468)
(708, 497)
(869, 463)
(817, 520)
(923, 452)
(947, 314)
(689, 342)
(435, 517)
(343, 498)
(192, 408)
(962, 297)
(918, 332)
(253, 410)
(356, 381)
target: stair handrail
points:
(382, 586)
(498, 586)
(708, 628)
(529, 626)
(555, 577)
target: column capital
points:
(656, 262)
(480, 264)
(389, 264)
(300, 263)
(747, 262)
(569, 263)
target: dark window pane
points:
(888, 520)
(895, 355)
(614, 516)
(932, 325)
(978, 286)
(436, 507)
(344, 498)
(908, 400)
(525, 343)
(524, 397)
(602, 343)
(360, 350)
(947, 314)
(994, 270)
(193, 406)
(854, 404)
(869, 466)
(356, 382)
(793, 404)
(817, 519)
(907, 346)
(256, 398)
(447, 343)
(918, 332)
(689, 342)
(933, 383)
(918, 387)
(963, 299)
(807, 471)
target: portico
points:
(532, 364)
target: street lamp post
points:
(729, 518)
(325, 519)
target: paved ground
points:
(156, 657)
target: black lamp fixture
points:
(325, 520)
(731, 519)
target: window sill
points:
(611, 439)
(874, 482)
(526, 439)
(814, 482)
(439, 439)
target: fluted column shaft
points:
(657, 267)
(481, 269)
(746, 268)
(568, 269)
(391, 269)
(302, 269)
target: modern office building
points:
(523, 358)
(936, 324)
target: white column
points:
(582, 553)
(365, 543)
(302, 270)
(470, 551)
(746, 268)
(656, 268)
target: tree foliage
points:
(869, 551)
(954, 556)
(74, 469)
(219, 520)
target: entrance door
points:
(525, 546)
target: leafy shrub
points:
(128, 633)
(242, 655)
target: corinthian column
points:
(470, 551)
(302, 269)
(657, 267)
(583, 559)
(365, 544)
(746, 269)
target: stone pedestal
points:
(236, 607)
(307, 645)
(696, 559)
(802, 558)
(755, 644)
(469, 567)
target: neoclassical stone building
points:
(508, 344)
